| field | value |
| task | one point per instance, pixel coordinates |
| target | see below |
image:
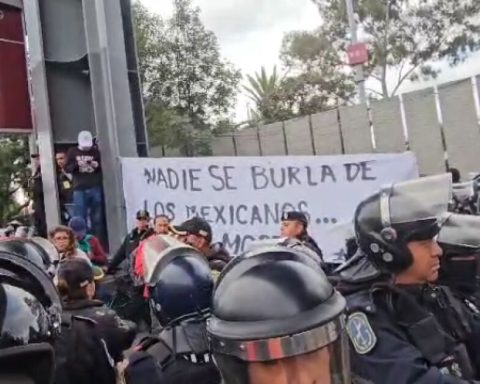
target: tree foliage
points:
(406, 38)
(317, 77)
(188, 86)
(14, 174)
(267, 93)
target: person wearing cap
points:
(141, 232)
(294, 226)
(85, 166)
(88, 243)
(404, 328)
(277, 320)
(197, 233)
(76, 285)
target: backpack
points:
(81, 355)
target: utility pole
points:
(359, 76)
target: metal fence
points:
(441, 125)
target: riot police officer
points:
(180, 289)
(407, 330)
(276, 320)
(29, 322)
(460, 242)
(295, 226)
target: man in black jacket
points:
(141, 232)
(137, 309)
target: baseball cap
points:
(143, 215)
(85, 139)
(76, 272)
(196, 226)
(295, 216)
(78, 226)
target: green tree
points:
(317, 77)
(149, 33)
(406, 38)
(267, 93)
(188, 86)
(14, 174)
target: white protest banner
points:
(243, 198)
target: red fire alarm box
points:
(15, 113)
(357, 54)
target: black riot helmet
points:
(38, 250)
(283, 242)
(29, 321)
(400, 213)
(276, 306)
(459, 239)
(179, 280)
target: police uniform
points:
(275, 315)
(305, 238)
(406, 334)
(180, 287)
(460, 242)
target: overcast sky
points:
(250, 33)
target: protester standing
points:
(84, 163)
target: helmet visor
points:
(417, 200)
(327, 365)
(158, 251)
(277, 348)
(462, 231)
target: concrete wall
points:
(440, 125)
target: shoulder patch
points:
(361, 333)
